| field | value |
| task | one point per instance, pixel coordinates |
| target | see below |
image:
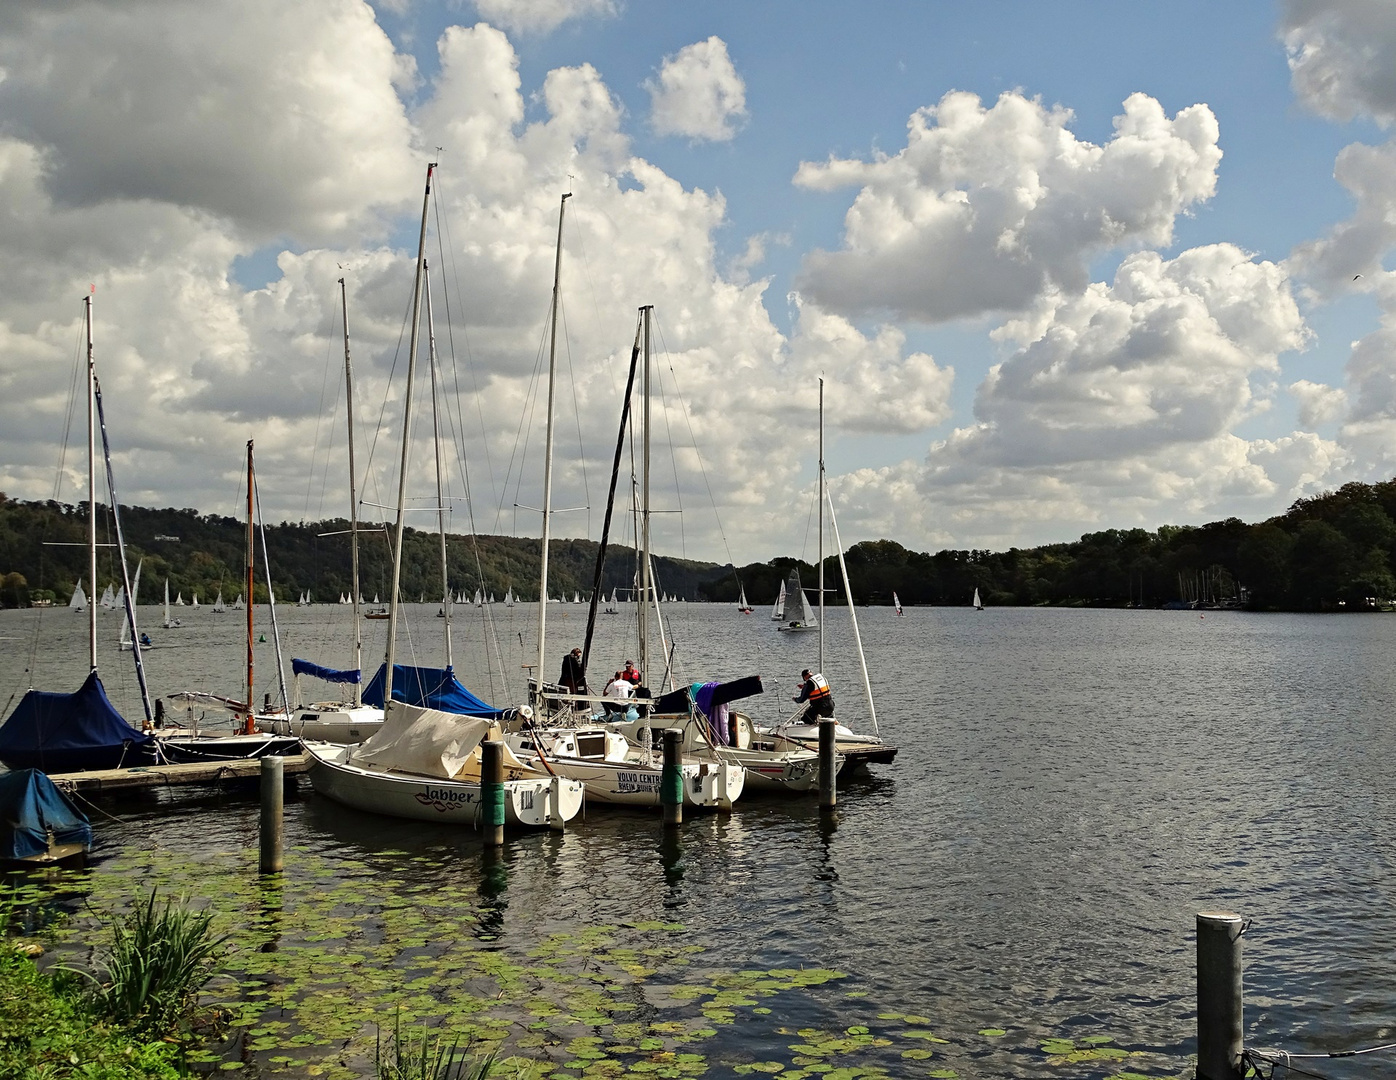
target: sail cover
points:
(430, 688)
(30, 808)
(63, 732)
(425, 742)
(328, 674)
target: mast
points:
(353, 498)
(548, 454)
(436, 441)
(821, 526)
(391, 657)
(247, 725)
(853, 618)
(645, 577)
(91, 487)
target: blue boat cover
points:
(65, 732)
(429, 688)
(30, 807)
(329, 674)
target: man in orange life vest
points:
(815, 692)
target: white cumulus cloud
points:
(541, 16)
(988, 209)
(698, 93)
(1318, 403)
(1342, 56)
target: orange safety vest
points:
(821, 688)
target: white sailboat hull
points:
(326, 722)
(706, 786)
(542, 803)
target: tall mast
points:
(645, 579)
(353, 498)
(821, 526)
(436, 440)
(391, 657)
(548, 454)
(91, 489)
(248, 726)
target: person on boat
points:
(815, 695)
(573, 678)
(617, 693)
(631, 674)
(145, 639)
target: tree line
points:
(1330, 552)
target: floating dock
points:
(154, 776)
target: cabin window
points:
(308, 718)
(592, 745)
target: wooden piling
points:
(492, 791)
(269, 823)
(1219, 999)
(671, 777)
(828, 768)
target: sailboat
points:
(195, 601)
(219, 608)
(59, 732)
(896, 603)
(238, 604)
(803, 620)
(425, 763)
(108, 600)
(179, 599)
(126, 638)
(170, 622)
(189, 743)
(79, 599)
(800, 729)
(335, 721)
(778, 612)
(304, 600)
(742, 605)
(978, 604)
(613, 768)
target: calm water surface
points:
(1073, 786)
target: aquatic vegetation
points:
(428, 1057)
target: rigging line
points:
(79, 364)
(576, 412)
(315, 440)
(580, 237)
(519, 451)
(368, 473)
(702, 469)
(444, 245)
(673, 461)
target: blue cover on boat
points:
(429, 688)
(31, 807)
(65, 732)
(329, 674)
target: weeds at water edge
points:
(426, 1058)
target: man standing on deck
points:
(815, 693)
(573, 679)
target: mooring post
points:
(492, 791)
(828, 787)
(1219, 1034)
(269, 824)
(671, 777)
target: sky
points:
(1061, 268)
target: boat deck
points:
(150, 776)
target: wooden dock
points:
(152, 776)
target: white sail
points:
(195, 601)
(179, 599)
(108, 597)
(170, 622)
(238, 604)
(778, 612)
(896, 603)
(491, 599)
(79, 600)
(218, 604)
(742, 605)
(978, 604)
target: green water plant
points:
(426, 1057)
(161, 955)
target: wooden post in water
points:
(671, 777)
(492, 791)
(1219, 1027)
(828, 766)
(269, 824)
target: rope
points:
(78, 795)
(1257, 1059)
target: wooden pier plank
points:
(149, 776)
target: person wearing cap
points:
(815, 695)
(573, 678)
(631, 674)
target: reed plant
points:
(428, 1057)
(161, 956)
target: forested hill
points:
(1330, 552)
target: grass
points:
(427, 1058)
(161, 956)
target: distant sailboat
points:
(195, 602)
(978, 604)
(896, 603)
(742, 605)
(79, 600)
(218, 606)
(778, 612)
(124, 638)
(803, 617)
(109, 596)
(509, 597)
(179, 599)
(170, 622)
(238, 604)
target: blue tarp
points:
(30, 808)
(430, 688)
(66, 732)
(329, 674)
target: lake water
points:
(1072, 787)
